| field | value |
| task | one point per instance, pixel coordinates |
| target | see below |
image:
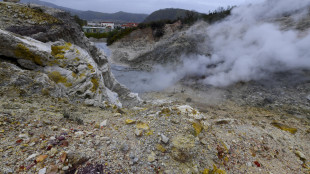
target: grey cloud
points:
(147, 6)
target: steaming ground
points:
(244, 47)
(252, 44)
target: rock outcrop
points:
(52, 56)
(142, 50)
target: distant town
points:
(103, 27)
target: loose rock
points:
(164, 139)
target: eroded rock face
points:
(19, 82)
(67, 66)
(141, 50)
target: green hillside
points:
(93, 15)
(168, 14)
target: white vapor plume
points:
(254, 42)
(246, 47)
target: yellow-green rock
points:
(215, 170)
(198, 128)
(183, 147)
(284, 127)
(128, 121)
(142, 125)
(161, 148)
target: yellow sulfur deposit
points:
(215, 170)
(284, 127)
(141, 125)
(128, 121)
(198, 128)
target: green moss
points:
(23, 52)
(95, 84)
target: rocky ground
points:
(254, 127)
(233, 131)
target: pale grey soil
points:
(235, 123)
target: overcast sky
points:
(147, 6)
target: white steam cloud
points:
(248, 45)
(245, 47)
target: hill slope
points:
(94, 16)
(114, 17)
(168, 14)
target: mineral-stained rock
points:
(300, 155)
(151, 157)
(138, 132)
(147, 51)
(92, 169)
(128, 121)
(76, 159)
(183, 147)
(52, 169)
(59, 61)
(284, 127)
(198, 128)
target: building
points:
(130, 25)
(90, 29)
(101, 27)
(107, 25)
(93, 24)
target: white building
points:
(108, 25)
(93, 24)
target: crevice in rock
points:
(28, 30)
(13, 61)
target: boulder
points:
(62, 62)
